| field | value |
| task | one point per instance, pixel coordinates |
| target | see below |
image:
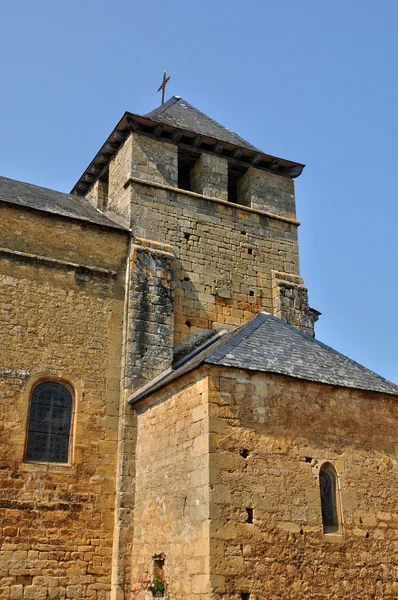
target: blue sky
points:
(310, 81)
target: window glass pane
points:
(60, 419)
(40, 417)
(49, 423)
(58, 450)
(327, 500)
(37, 446)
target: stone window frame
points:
(73, 390)
(334, 532)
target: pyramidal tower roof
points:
(180, 122)
(179, 113)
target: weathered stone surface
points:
(171, 491)
(267, 191)
(224, 256)
(105, 312)
(209, 176)
(56, 521)
(290, 302)
(266, 457)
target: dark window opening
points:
(185, 163)
(188, 323)
(250, 250)
(244, 453)
(187, 236)
(328, 490)
(158, 564)
(249, 518)
(251, 293)
(49, 423)
(235, 191)
(245, 596)
(159, 578)
(308, 459)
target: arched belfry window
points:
(328, 485)
(49, 426)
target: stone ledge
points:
(55, 261)
(176, 190)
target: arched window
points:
(329, 498)
(49, 423)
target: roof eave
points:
(131, 122)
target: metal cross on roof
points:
(163, 85)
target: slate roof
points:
(270, 345)
(178, 116)
(43, 199)
(179, 113)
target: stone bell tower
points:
(215, 219)
(214, 242)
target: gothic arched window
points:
(49, 425)
(329, 498)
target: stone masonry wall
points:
(60, 323)
(225, 253)
(151, 307)
(147, 351)
(154, 160)
(267, 191)
(209, 176)
(290, 302)
(269, 437)
(142, 157)
(220, 276)
(118, 196)
(171, 513)
(99, 195)
(224, 256)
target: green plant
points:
(154, 584)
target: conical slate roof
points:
(270, 345)
(179, 113)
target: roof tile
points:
(65, 205)
(179, 113)
(271, 345)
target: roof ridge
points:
(166, 112)
(160, 109)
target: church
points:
(170, 426)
